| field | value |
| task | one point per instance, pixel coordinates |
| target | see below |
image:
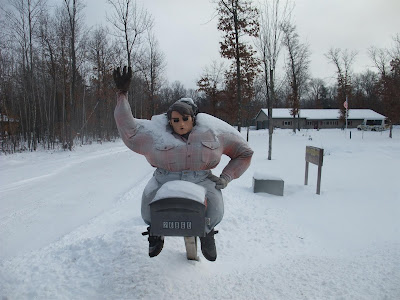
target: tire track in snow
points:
(34, 180)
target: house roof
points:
(324, 114)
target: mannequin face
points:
(181, 124)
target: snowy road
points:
(65, 190)
(71, 226)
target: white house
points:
(315, 118)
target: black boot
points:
(208, 246)
(156, 244)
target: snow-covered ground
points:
(70, 225)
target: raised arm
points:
(128, 126)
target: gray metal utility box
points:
(268, 184)
(177, 217)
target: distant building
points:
(315, 118)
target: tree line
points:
(254, 79)
(56, 87)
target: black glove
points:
(220, 182)
(122, 81)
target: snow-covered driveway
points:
(49, 196)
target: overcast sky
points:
(188, 35)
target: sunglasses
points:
(176, 120)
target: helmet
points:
(190, 102)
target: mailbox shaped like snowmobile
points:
(178, 209)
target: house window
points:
(373, 122)
(287, 123)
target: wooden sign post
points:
(315, 156)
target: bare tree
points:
(296, 67)
(387, 61)
(343, 60)
(178, 91)
(381, 57)
(273, 14)
(72, 8)
(130, 23)
(22, 20)
(365, 90)
(315, 91)
(151, 65)
(394, 52)
(101, 55)
(56, 80)
(211, 83)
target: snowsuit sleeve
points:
(129, 127)
(240, 153)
